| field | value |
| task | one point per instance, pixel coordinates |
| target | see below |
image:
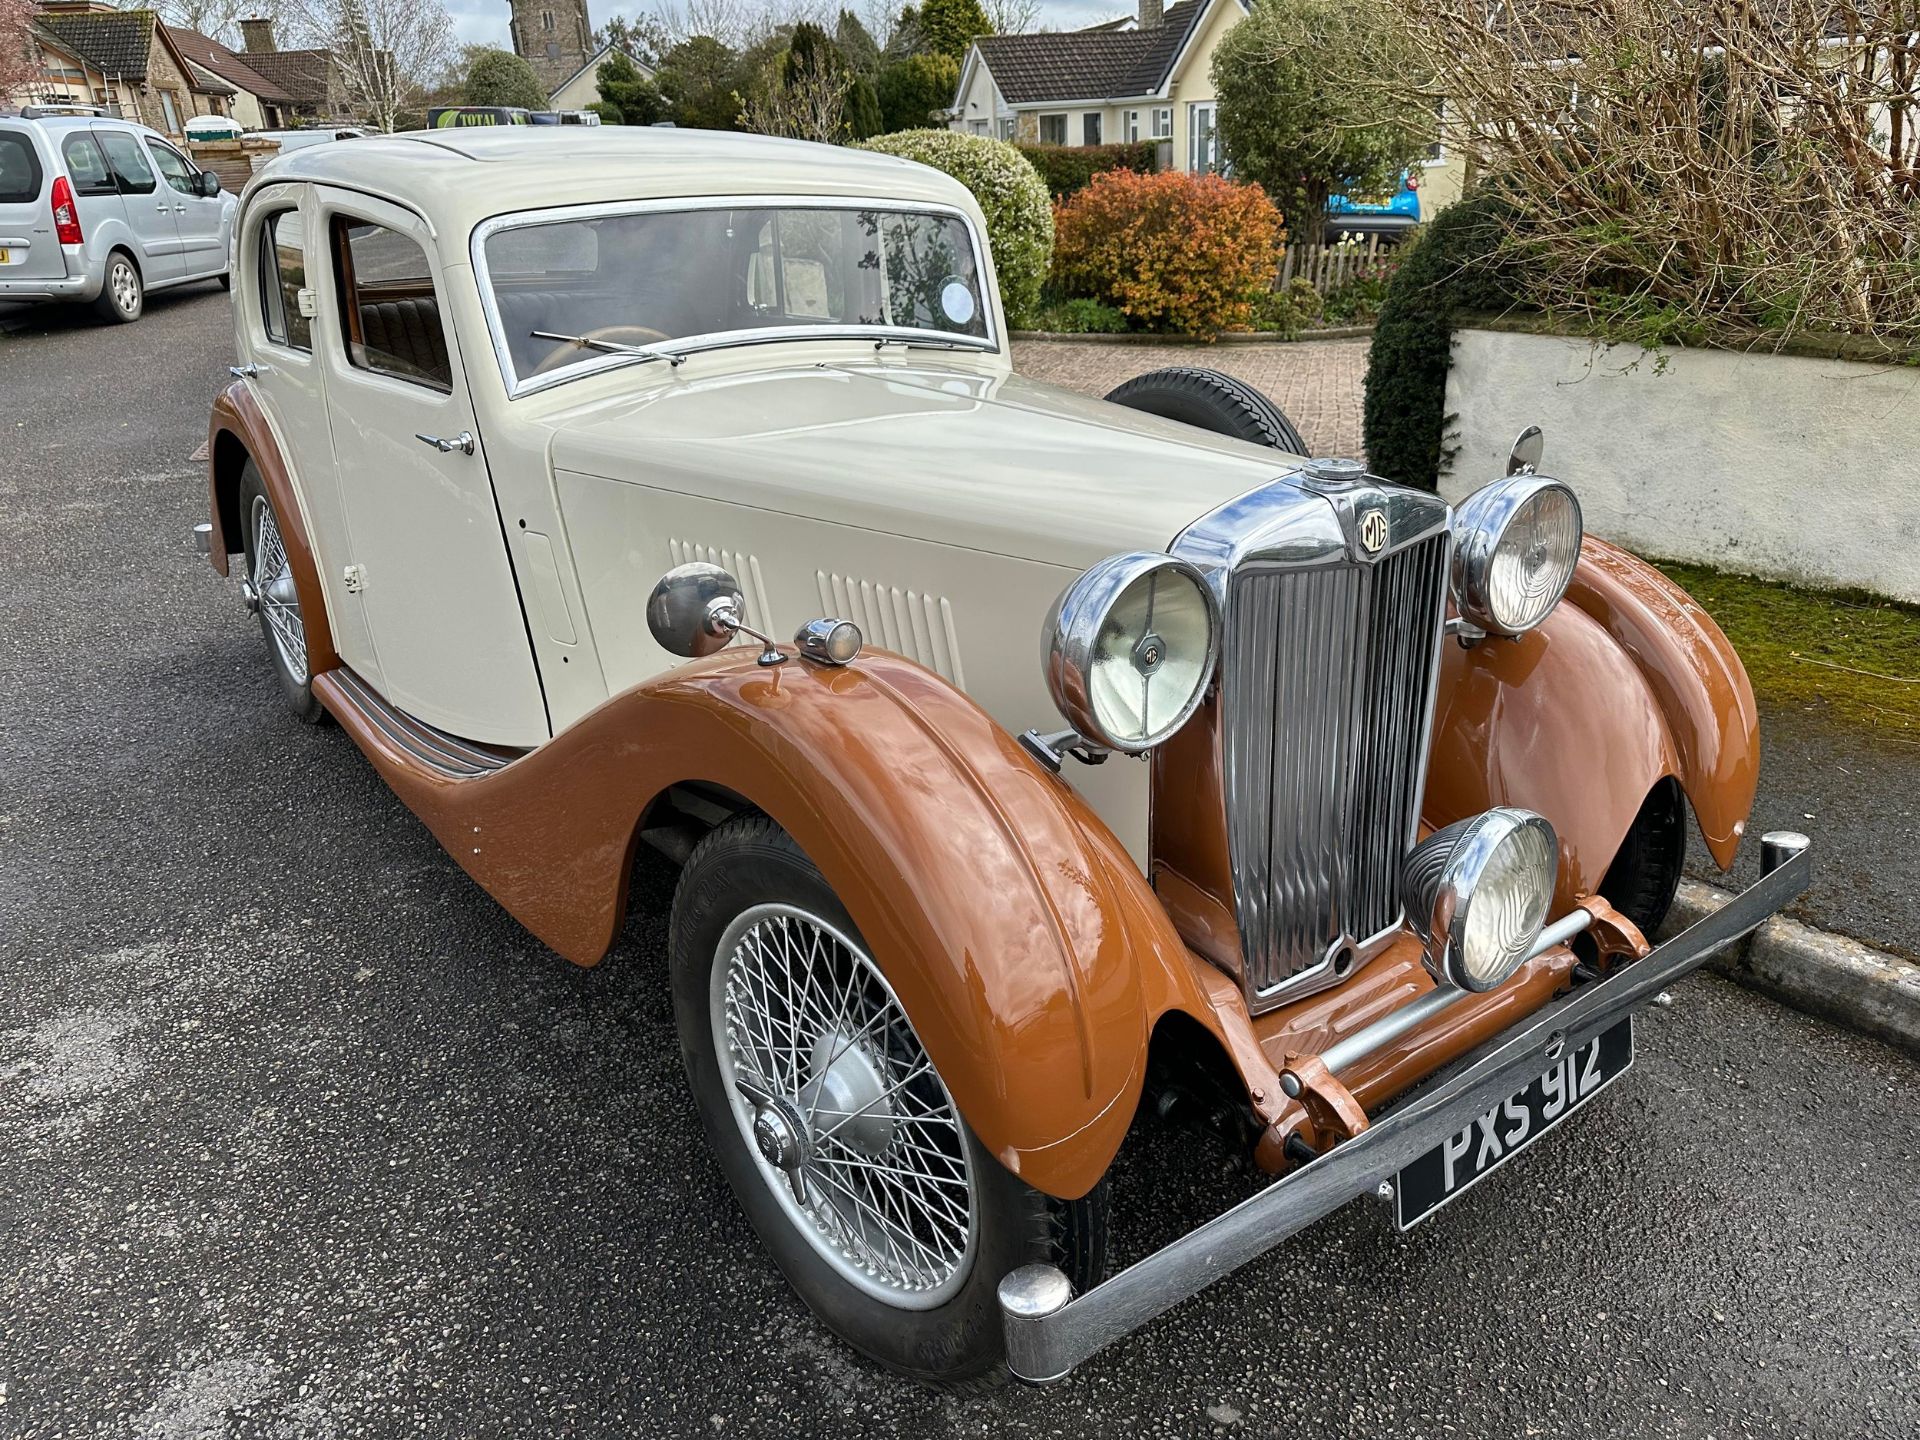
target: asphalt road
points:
(301, 1136)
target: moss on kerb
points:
(1852, 654)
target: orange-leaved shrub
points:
(1185, 253)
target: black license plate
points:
(1461, 1160)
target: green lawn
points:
(1853, 654)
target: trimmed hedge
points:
(1019, 219)
(1453, 268)
(1066, 169)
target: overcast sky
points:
(484, 22)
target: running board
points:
(432, 747)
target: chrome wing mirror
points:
(1524, 458)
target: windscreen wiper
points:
(887, 340)
(612, 347)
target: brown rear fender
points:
(1628, 682)
(1018, 933)
(238, 432)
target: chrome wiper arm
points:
(612, 347)
(913, 344)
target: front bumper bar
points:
(1049, 1332)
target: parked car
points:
(540, 443)
(1391, 217)
(102, 211)
(291, 140)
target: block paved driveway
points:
(1316, 382)
(302, 1138)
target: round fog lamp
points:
(1130, 647)
(1477, 893)
(1515, 543)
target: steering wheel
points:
(611, 334)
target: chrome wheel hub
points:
(836, 1099)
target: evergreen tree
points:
(635, 97)
(948, 27)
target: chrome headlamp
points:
(1515, 543)
(1130, 647)
(1477, 893)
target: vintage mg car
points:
(1027, 757)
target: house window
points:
(1053, 129)
(1163, 122)
(1203, 140)
(167, 110)
(977, 127)
(1131, 125)
(1006, 128)
(1090, 128)
(1437, 151)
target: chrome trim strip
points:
(1046, 1340)
(727, 339)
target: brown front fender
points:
(1019, 935)
(1628, 681)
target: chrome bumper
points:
(1049, 1332)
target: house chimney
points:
(257, 35)
(1153, 14)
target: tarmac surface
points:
(301, 1136)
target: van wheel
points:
(122, 295)
(836, 1133)
(273, 597)
(1211, 401)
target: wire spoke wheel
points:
(274, 591)
(851, 1127)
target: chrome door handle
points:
(463, 442)
(246, 372)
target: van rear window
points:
(86, 166)
(19, 169)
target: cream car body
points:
(935, 498)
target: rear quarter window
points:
(19, 169)
(86, 167)
(128, 157)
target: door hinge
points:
(356, 578)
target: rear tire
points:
(123, 294)
(275, 597)
(1211, 401)
(912, 1281)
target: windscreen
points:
(719, 275)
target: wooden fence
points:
(1328, 267)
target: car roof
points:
(460, 177)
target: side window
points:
(283, 274)
(86, 166)
(19, 169)
(174, 168)
(129, 161)
(388, 310)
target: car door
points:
(197, 217)
(429, 551)
(149, 204)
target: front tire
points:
(123, 294)
(274, 597)
(835, 1132)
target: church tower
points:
(553, 36)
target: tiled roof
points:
(1088, 64)
(205, 82)
(301, 74)
(210, 54)
(117, 43)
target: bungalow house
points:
(1144, 80)
(258, 103)
(1142, 77)
(582, 88)
(121, 60)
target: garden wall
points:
(1783, 466)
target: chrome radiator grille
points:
(1327, 683)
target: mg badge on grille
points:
(1373, 531)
